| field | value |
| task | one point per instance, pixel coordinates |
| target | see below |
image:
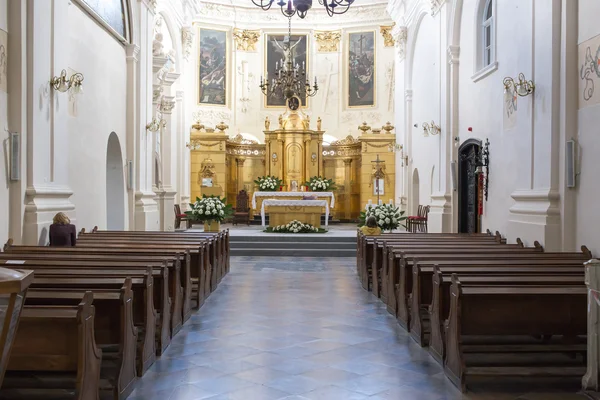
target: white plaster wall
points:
(426, 105)
(4, 176)
(587, 192)
(99, 111)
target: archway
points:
(468, 193)
(115, 182)
(415, 192)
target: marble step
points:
(313, 244)
(315, 237)
(292, 252)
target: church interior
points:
(401, 198)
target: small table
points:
(281, 212)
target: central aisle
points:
(295, 329)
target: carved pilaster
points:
(187, 41)
(328, 40)
(386, 32)
(436, 5)
(400, 35)
(246, 39)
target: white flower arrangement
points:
(389, 217)
(268, 183)
(320, 184)
(211, 208)
(296, 226)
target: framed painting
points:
(361, 69)
(212, 67)
(275, 55)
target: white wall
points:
(4, 148)
(99, 111)
(587, 192)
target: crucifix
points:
(378, 175)
(360, 41)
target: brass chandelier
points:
(290, 8)
(290, 79)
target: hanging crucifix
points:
(378, 175)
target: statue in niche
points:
(157, 45)
(319, 123)
(267, 124)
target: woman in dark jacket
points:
(62, 232)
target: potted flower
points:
(389, 217)
(295, 226)
(211, 210)
(268, 183)
(320, 184)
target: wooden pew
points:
(67, 350)
(422, 282)
(517, 311)
(153, 310)
(181, 297)
(113, 309)
(440, 301)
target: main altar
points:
(363, 167)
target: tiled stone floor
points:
(303, 329)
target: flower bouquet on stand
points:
(211, 210)
(389, 217)
(320, 184)
(295, 227)
(268, 183)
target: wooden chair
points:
(179, 216)
(242, 209)
(418, 222)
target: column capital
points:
(132, 52)
(187, 41)
(453, 55)
(400, 34)
(240, 161)
(150, 5)
(167, 104)
(436, 6)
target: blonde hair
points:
(61, 218)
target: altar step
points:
(291, 245)
(257, 220)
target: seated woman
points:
(62, 232)
(371, 228)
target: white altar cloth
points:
(294, 203)
(293, 194)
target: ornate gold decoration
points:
(267, 123)
(344, 142)
(246, 39)
(386, 32)
(207, 169)
(388, 127)
(222, 126)
(376, 131)
(198, 126)
(364, 128)
(319, 122)
(295, 118)
(328, 40)
(195, 144)
(240, 140)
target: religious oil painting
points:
(112, 12)
(361, 69)
(3, 60)
(212, 67)
(589, 73)
(278, 59)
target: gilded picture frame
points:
(213, 68)
(361, 70)
(274, 54)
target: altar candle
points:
(391, 202)
(370, 202)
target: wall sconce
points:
(403, 157)
(431, 129)
(523, 87)
(156, 124)
(62, 84)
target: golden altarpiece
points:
(294, 152)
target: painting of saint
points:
(361, 69)
(212, 67)
(278, 57)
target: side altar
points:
(294, 152)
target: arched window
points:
(485, 61)
(487, 27)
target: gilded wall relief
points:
(3, 60)
(276, 55)
(361, 69)
(328, 41)
(212, 82)
(589, 73)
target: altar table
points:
(282, 212)
(258, 197)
